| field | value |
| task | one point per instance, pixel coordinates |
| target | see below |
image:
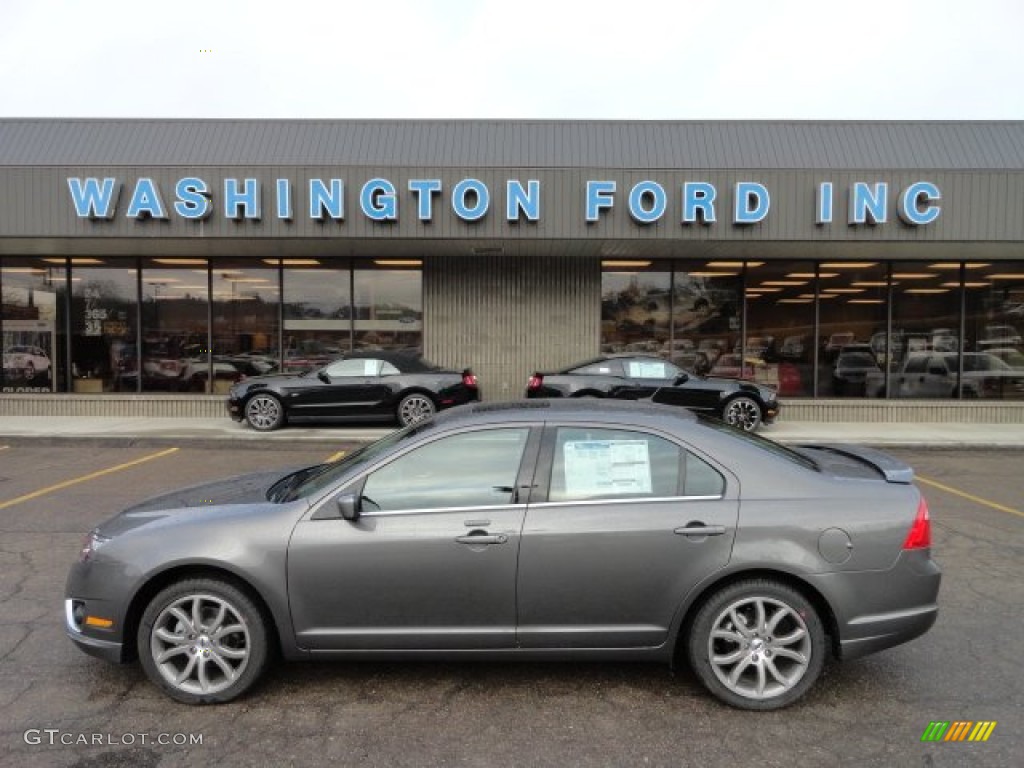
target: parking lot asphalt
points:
(59, 707)
(224, 430)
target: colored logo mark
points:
(958, 730)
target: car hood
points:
(241, 489)
(243, 494)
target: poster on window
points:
(30, 318)
(607, 467)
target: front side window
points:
(472, 469)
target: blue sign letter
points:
(522, 200)
(911, 208)
(698, 197)
(284, 199)
(93, 201)
(460, 193)
(424, 190)
(146, 201)
(752, 203)
(867, 207)
(656, 193)
(247, 198)
(600, 194)
(193, 198)
(321, 200)
(377, 199)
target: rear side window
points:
(650, 369)
(597, 463)
(602, 368)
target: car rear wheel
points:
(264, 413)
(742, 412)
(203, 641)
(757, 645)
(415, 407)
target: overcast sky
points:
(658, 59)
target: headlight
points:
(92, 541)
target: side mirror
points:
(682, 378)
(322, 375)
(349, 506)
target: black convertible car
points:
(740, 403)
(359, 386)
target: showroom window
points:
(104, 325)
(388, 304)
(175, 313)
(246, 319)
(852, 311)
(317, 304)
(778, 348)
(706, 315)
(635, 306)
(993, 364)
(33, 295)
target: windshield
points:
(309, 481)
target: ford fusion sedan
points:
(375, 385)
(532, 530)
(633, 377)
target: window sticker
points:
(606, 467)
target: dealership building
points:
(868, 269)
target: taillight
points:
(920, 536)
(468, 378)
(536, 381)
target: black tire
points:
(784, 666)
(211, 661)
(415, 407)
(264, 412)
(30, 371)
(743, 413)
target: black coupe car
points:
(740, 403)
(375, 385)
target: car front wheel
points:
(264, 413)
(757, 645)
(415, 407)
(203, 641)
(743, 413)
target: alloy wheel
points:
(200, 644)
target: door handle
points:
(699, 529)
(486, 538)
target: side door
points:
(430, 563)
(646, 375)
(342, 388)
(629, 523)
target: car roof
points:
(406, 362)
(620, 412)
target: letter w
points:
(93, 201)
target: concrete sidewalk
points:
(219, 431)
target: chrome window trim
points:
(439, 510)
(623, 500)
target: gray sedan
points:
(536, 530)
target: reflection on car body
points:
(530, 530)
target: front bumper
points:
(108, 650)
(235, 410)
